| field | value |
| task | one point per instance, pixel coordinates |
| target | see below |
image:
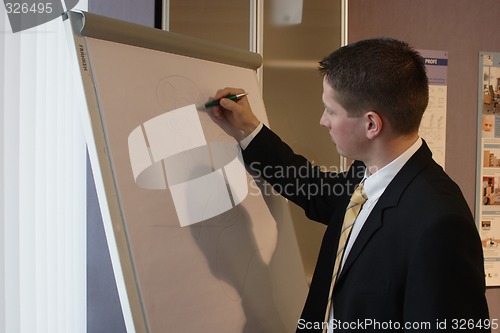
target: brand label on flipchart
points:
(83, 58)
(26, 14)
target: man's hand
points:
(237, 113)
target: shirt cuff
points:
(246, 141)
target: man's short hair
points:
(384, 75)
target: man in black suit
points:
(413, 259)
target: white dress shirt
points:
(246, 141)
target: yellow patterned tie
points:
(357, 200)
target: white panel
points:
(174, 132)
(201, 198)
(42, 197)
(236, 177)
(10, 160)
(139, 152)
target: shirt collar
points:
(376, 183)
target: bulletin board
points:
(488, 176)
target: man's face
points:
(487, 124)
(347, 133)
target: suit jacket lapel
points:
(389, 198)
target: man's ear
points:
(374, 124)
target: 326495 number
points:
(470, 324)
(25, 8)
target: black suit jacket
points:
(416, 264)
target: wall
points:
(203, 20)
(463, 28)
(140, 12)
(292, 93)
(104, 312)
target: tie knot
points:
(359, 196)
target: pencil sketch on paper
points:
(175, 91)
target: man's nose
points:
(323, 121)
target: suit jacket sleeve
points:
(293, 176)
